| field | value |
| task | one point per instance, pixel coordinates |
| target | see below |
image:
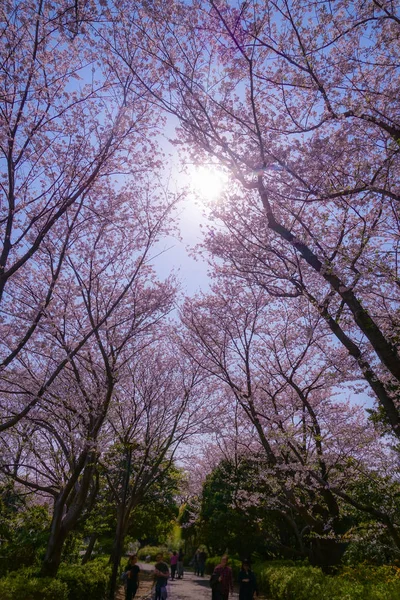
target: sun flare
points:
(208, 182)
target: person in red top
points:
(174, 562)
(225, 578)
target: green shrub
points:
(24, 537)
(286, 580)
(373, 545)
(72, 548)
(73, 582)
(86, 582)
(309, 583)
(302, 583)
(366, 573)
(26, 585)
(152, 551)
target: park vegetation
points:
(260, 416)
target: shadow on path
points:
(191, 587)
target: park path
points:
(191, 587)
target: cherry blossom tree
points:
(160, 404)
(299, 103)
(104, 310)
(73, 130)
(273, 358)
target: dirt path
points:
(191, 587)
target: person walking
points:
(247, 582)
(161, 575)
(132, 577)
(223, 579)
(180, 564)
(202, 562)
(196, 562)
(174, 563)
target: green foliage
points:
(24, 531)
(73, 582)
(224, 519)
(288, 582)
(72, 548)
(221, 522)
(174, 540)
(365, 573)
(370, 548)
(309, 583)
(283, 580)
(370, 541)
(26, 585)
(153, 517)
(152, 551)
(153, 520)
(189, 533)
(101, 519)
(86, 582)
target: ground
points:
(190, 587)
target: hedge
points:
(152, 551)
(309, 583)
(73, 582)
(25, 585)
(302, 582)
(86, 582)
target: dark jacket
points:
(247, 588)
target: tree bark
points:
(120, 529)
(385, 351)
(89, 549)
(54, 550)
(63, 523)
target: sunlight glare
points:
(208, 182)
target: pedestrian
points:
(132, 577)
(202, 562)
(247, 582)
(161, 575)
(223, 579)
(174, 563)
(181, 554)
(196, 562)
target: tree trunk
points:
(64, 520)
(384, 349)
(120, 529)
(117, 552)
(327, 553)
(89, 549)
(54, 550)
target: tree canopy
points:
(112, 380)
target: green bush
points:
(73, 582)
(286, 580)
(86, 582)
(292, 582)
(26, 585)
(152, 551)
(366, 573)
(309, 583)
(24, 537)
(374, 546)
